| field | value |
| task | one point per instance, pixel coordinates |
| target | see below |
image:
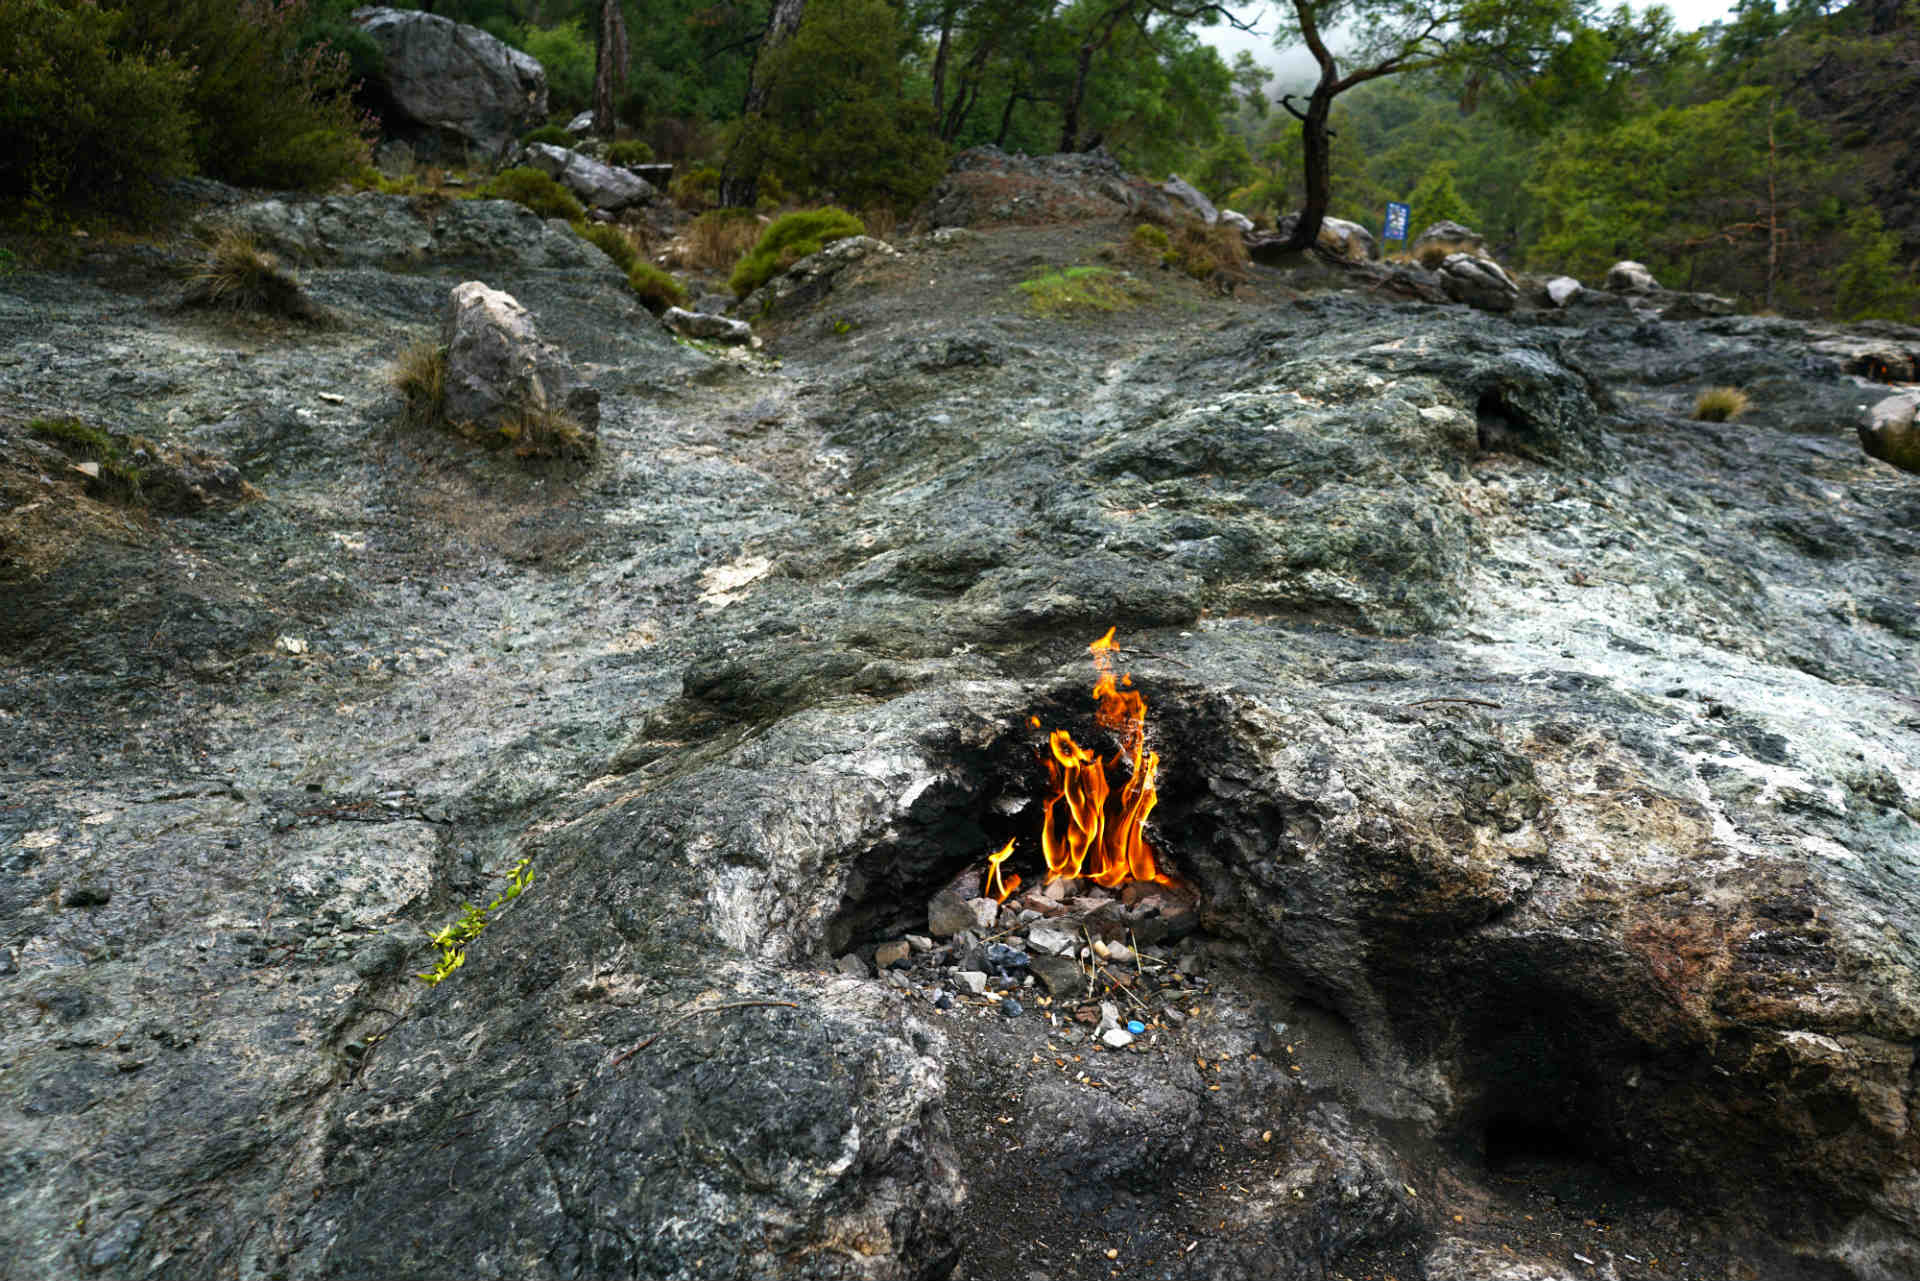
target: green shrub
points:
(695, 189)
(267, 112)
(789, 240)
(1151, 238)
(566, 54)
(553, 134)
(86, 122)
(658, 291)
(537, 191)
(1869, 282)
(630, 152)
(1720, 404)
(614, 243)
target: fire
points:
(1098, 834)
(997, 889)
(1087, 829)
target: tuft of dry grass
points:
(1720, 404)
(238, 275)
(1435, 252)
(419, 374)
(1216, 255)
(541, 433)
(882, 222)
(717, 239)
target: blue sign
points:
(1397, 215)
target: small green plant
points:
(552, 134)
(7, 263)
(451, 943)
(118, 480)
(789, 240)
(1151, 238)
(1079, 289)
(537, 191)
(614, 243)
(419, 374)
(658, 290)
(1720, 404)
(631, 152)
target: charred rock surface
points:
(1543, 766)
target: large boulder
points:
(498, 369)
(408, 232)
(599, 186)
(1478, 282)
(453, 86)
(986, 185)
(1344, 239)
(1629, 277)
(1190, 196)
(1891, 432)
(1446, 237)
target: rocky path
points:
(1544, 763)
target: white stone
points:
(1563, 290)
(1116, 1038)
(974, 981)
(1049, 939)
(1629, 277)
(985, 912)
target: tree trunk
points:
(1070, 118)
(1317, 147)
(610, 67)
(740, 174)
(947, 15)
(1773, 204)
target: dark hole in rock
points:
(996, 792)
(1501, 423)
(1513, 1138)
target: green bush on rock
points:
(630, 152)
(537, 191)
(789, 240)
(658, 291)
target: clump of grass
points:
(719, 238)
(1434, 252)
(419, 374)
(117, 480)
(658, 290)
(1216, 254)
(537, 191)
(1151, 239)
(1720, 404)
(787, 241)
(614, 243)
(535, 433)
(1079, 289)
(631, 152)
(553, 134)
(695, 189)
(238, 275)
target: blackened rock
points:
(1062, 974)
(1002, 957)
(1011, 1008)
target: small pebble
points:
(1116, 1038)
(944, 1001)
(1002, 957)
(1011, 1008)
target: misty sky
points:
(1297, 64)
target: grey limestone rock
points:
(498, 369)
(706, 324)
(457, 86)
(599, 186)
(1890, 431)
(1187, 194)
(1451, 236)
(813, 277)
(406, 232)
(1478, 282)
(1628, 277)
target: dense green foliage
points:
(554, 135)
(614, 243)
(537, 191)
(85, 120)
(630, 152)
(658, 290)
(789, 240)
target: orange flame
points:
(1100, 834)
(998, 889)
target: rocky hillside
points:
(1539, 784)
